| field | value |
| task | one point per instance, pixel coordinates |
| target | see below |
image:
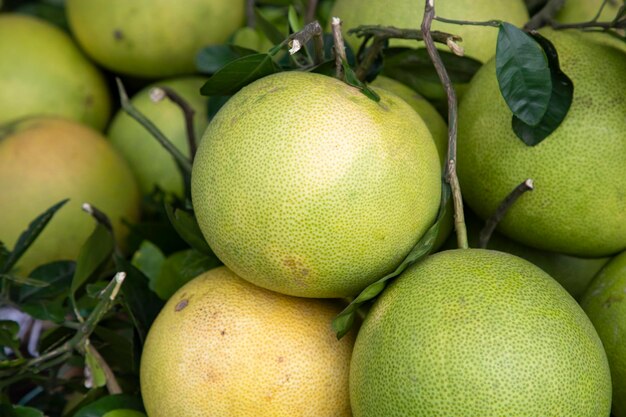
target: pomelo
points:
(151, 163)
(45, 160)
(152, 38)
(43, 72)
(577, 206)
(305, 186)
(605, 304)
(224, 347)
(474, 332)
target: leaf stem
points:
(159, 93)
(339, 47)
(450, 171)
(112, 385)
(503, 208)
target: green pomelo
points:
(579, 11)
(152, 38)
(42, 72)
(305, 186)
(478, 333)
(577, 206)
(46, 160)
(152, 164)
(438, 129)
(479, 42)
(222, 347)
(605, 304)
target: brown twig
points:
(250, 17)
(450, 172)
(314, 31)
(159, 93)
(503, 208)
(339, 47)
(310, 11)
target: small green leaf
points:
(149, 260)
(352, 80)
(561, 98)
(97, 377)
(58, 277)
(180, 268)
(29, 235)
(269, 30)
(294, 20)
(48, 310)
(21, 411)
(109, 403)
(9, 335)
(210, 59)
(187, 227)
(94, 253)
(239, 73)
(124, 413)
(343, 322)
(523, 74)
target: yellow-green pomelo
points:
(479, 42)
(578, 11)
(577, 206)
(43, 72)
(438, 129)
(45, 160)
(305, 186)
(151, 163)
(152, 38)
(475, 332)
(605, 304)
(224, 347)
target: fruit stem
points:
(339, 47)
(250, 18)
(503, 208)
(450, 172)
(159, 93)
(310, 11)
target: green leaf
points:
(48, 310)
(9, 335)
(21, 411)
(58, 277)
(239, 73)
(352, 80)
(269, 30)
(149, 260)
(94, 254)
(109, 403)
(180, 268)
(24, 280)
(215, 104)
(187, 227)
(523, 74)
(344, 321)
(293, 19)
(97, 376)
(30, 235)
(210, 59)
(124, 413)
(561, 98)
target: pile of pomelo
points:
(310, 192)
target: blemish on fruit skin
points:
(612, 300)
(223, 332)
(118, 35)
(181, 304)
(281, 359)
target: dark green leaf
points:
(97, 377)
(180, 268)
(94, 254)
(8, 334)
(523, 74)
(142, 304)
(103, 405)
(27, 412)
(49, 310)
(269, 30)
(560, 100)
(4, 253)
(29, 235)
(210, 59)
(343, 322)
(117, 346)
(187, 227)
(215, 104)
(124, 413)
(352, 80)
(294, 20)
(148, 259)
(58, 276)
(239, 73)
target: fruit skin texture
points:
(45, 160)
(42, 71)
(577, 206)
(605, 304)
(223, 347)
(478, 42)
(151, 38)
(475, 332)
(150, 162)
(305, 186)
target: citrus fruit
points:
(42, 72)
(152, 164)
(305, 186)
(479, 42)
(578, 11)
(224, 347)
(605, 304)
(475, 332)
(151, 38)
(46, 160)
(577, 206)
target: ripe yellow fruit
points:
(577, 206)
(224, 347)
(305, 186)
(479, 42)
(151, 163)
(45, 160)
(605, 304)
(152, 38)
(478, 333)
(42, 72)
